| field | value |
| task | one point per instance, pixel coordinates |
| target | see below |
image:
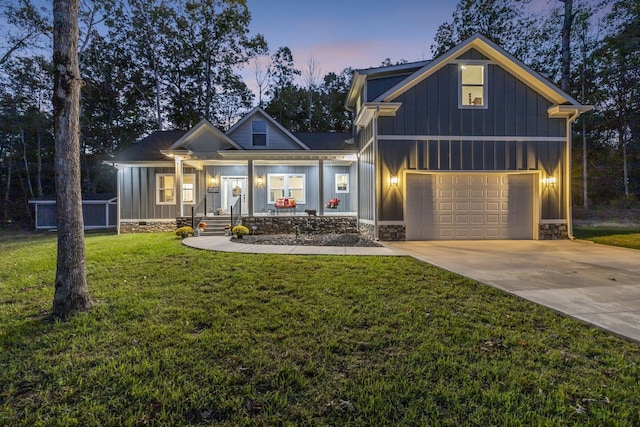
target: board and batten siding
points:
(347, 200)
(276, 139)
(138, 193)
(431, 108)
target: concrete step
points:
(215, 225)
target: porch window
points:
(342, 183)
(473, 88)
(259, 133)
(165, 188)
(286, 185)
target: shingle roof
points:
(148, 149)
(325, 140)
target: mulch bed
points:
(353, 240)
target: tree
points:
(311, 75)
(25, 26)
(71, 288)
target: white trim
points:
(336, 183)
(175, 183)
(366, 145)
(391, 223)
(471, 138)
(269, 119)
(147, 220)
(287, 189)
(204, 124)
(485, 75)
(366, 221)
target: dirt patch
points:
(330, 239)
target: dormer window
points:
(473, 87)
(259, 133)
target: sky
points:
(350, 33)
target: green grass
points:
(625, 236)
(186, 337)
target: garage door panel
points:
(469, 206)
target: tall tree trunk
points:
(566, 42)
(26, 163)
(39, 192)
(71, 288)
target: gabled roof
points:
(148, 149)
(203, 126)
(360, 76)
(493, 52)
(258, 110)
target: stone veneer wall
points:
(147, 227)
(367, 230)
(553, 232)
(306, 225)
(392, 232)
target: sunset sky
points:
(356, 33)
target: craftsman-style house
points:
(471, 145)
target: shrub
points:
(185, 231)
(239, 231)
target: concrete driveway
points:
(596, 283)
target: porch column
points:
(178, 174)
(250, 184)
(321, 186)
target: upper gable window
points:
(259, 133)
(473, 85)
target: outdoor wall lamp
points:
(393, 180)
(550, 180)
(213, 180)
(260, 181)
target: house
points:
(471, 145)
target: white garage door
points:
(469, 206)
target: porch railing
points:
(236, 209)
(194, 209)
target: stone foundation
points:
(392, 232)
(553, 232)
(367, 230)
(147, 227)
(305, 225)
(183, 221)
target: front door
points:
(234, 188)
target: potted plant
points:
(185, 231)
(239, 231)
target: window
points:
(283, 185)
(259, 133)
(165, 189)
(342, 183)
(472, 86)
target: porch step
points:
(216, 225)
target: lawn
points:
(625, 236)
(186, 337)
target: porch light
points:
(550, 180)
(259, 181)
(213, 180)
(393, 180)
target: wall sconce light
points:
(260, 181)
(213, 180)
(393, 180)
(550, 180)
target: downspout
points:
(567, 176)
(376, 167)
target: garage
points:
(464, 206)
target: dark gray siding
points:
(397, 156)
(376, 87)
(276, 139)
(366, 183)
(472, 54)
(431, 108)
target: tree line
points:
(164, 64)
